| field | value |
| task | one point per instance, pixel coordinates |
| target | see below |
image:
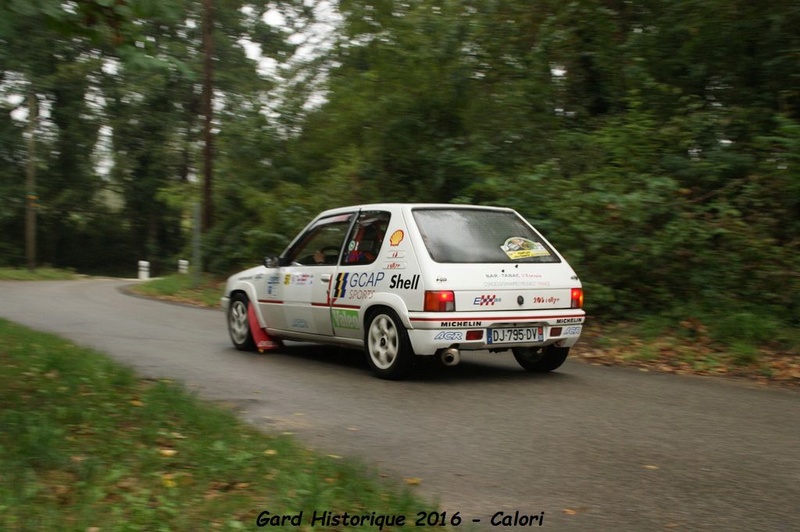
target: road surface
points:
(594, 448)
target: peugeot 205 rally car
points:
(408, 280)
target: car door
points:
(360, 273)
(304, 282)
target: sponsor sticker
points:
(394, 265)
(400, 282)
(518, 247)
(449, 335)
(396, 238)
(300, 279)
(347, 280)
(486, 300)
(345, 318)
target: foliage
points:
(656, 144)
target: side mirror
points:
(272, 262)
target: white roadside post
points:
(144, 270)
(183, 266)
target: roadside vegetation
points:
(204, 291)
(87, 445)
(38, 274)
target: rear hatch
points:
(494, 260)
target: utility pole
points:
(208, 114)
(30, 182)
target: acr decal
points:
(461, 323)
(518, 247)
(396, 238)
(404, 283)
(449, 335)
(394, 265)
(572, 330)
(299, 323)
(347, 280)
(396, 254)
(486, 300)
(344, 318)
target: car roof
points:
(408, 207)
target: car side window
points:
(322, 243)
(366, 239)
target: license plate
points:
(515, 335)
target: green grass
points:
(86, 443)
(182, 288)
(38, 274)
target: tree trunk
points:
(208, 113)
(30, 183)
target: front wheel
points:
(541, 359)
(239, 324)
(389, 352)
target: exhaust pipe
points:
(451, 356)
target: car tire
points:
(388, 348)
(541, 360)
(239, 323)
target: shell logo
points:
(396, 237)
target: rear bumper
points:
(431, 332)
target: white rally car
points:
(406, 280)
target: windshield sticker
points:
(396, 238)
(518, 247)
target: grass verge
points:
(691, 347)
(182, 289)
(87, 445)
(38, 274)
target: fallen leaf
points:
(647, 466)
(270, 452)
(167, 452)
(413, 481)
(137, 402)
(570, 511)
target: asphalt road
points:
(594, 448)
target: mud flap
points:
(263, 341)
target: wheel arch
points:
(392, 302)
(249, 291)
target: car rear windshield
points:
(480, 236)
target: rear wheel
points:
(389, 352)
(541, 359)
(239, 323)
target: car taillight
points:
(577, 298)
(440, 301)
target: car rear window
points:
(479, 236)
